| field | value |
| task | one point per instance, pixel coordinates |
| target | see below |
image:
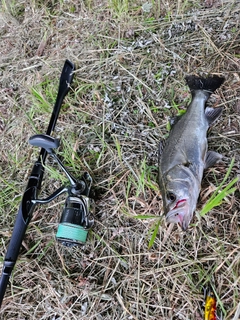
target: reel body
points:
(74, 225)
(75, 221)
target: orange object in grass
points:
(210, 307)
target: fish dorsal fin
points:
(162, 144)
(212, 114)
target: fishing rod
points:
(75, 222)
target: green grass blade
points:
(217, 197)
(155, 231)
(217, 200)
(143, 217)
(224, 179)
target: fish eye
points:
(171, 196)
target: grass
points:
(131, 60)
(218, 195)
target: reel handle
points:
(44, 141)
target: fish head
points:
(180, 213)
(180, 198)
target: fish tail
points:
(209, 84)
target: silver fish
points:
(184, 156)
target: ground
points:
(131, 58)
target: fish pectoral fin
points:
(212, 114)
(212, 158)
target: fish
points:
(184, 155)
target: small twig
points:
(123, 306)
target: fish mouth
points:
(180, 214)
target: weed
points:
(218, 195)
(120, 8)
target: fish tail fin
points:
(209, 84)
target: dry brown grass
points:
(130, 78)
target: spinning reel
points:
(75, 221)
